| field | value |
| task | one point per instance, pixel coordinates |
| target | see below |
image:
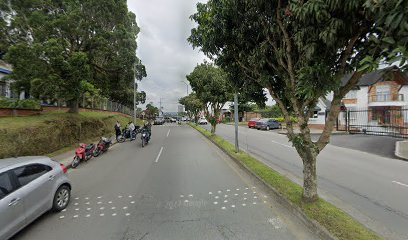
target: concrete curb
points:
(313, 225)
(399, 152)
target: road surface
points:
(179, 186)
(372, 188)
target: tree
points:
(212, 89)
(300, 51)
(57, 45)
(151, 111)
(192, 105)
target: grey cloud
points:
(163, 48)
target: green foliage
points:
(192, 105)
(151, 111)
(20, 104)
(300, 51)
(210, 84)
(59, 45)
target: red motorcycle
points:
(103, 146)
(83, 153)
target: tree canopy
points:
(56, 47)
(212, 88)
(192, 105)
(300, 50)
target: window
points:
(3, 90)
(351, 95)
(28, 173)
(5, 185)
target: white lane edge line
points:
(400, 183)
(168, 133)
(158, 156)
(288, 146)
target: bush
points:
(282, 120)
(20, 104)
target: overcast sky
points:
(163, 48)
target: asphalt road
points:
(180, 186)
(371, 188)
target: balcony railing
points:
(386, 98)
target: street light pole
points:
(134, 102)
(186, 86)
(236, 121)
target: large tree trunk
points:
(213, 127)
(309, 177)
(73, 106)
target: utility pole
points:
(160, 109)
(236, 121)
(134, 102)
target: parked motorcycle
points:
(127, 134)
(83, 153)
(145, 137)
(102, 146)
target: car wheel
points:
(61, 198)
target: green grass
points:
(336, 221)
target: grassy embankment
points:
(53, 133)
(336, 221)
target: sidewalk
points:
(312, 131)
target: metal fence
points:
(387, 121)
(96, 104)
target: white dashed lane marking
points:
(400, 183)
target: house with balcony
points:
(378, 103)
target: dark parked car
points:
(266, 124)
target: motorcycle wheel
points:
(143, 142)
(120, 139)
(75, 162)
(97, 152)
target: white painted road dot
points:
(228, 190)
(191, 195)
(99, 197)
(243, 204)
(181, 196)
(88, 209)
(64, 210)
(265, 196)
(76, 209)
(255, 197)
(245, 198)
(215, 203)
(225, 196)
(75, 216)
(264, 201)
(120, 196)
(254, 203)
(113, 208)
(130, 196)
(76, 204)
(114, 214)
(254, 192)
(76, 198)
(102, 208)
(233, 206)
(125, 207)
(245, 193)
(210, 193)
(99, 203)
(237, 189)
(236, 194)
(226, 201)
(86, 198)
(61, 217)
(110, 202)
(219, 192)
(102, 214)
(223, 208)
(216, 197)
(127, 214)
(87, 203)
(132, 202)
(88, 215)
(246, 188)
(186, 201)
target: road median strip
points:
(322, 217)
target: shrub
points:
(20, 104)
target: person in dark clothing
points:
(117, 129)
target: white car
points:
(202, 121)
(29, 187)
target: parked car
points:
(29, 187)
(159, 121)
(173, 120)
(252, 122)
(202, 121)
(266, 124)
